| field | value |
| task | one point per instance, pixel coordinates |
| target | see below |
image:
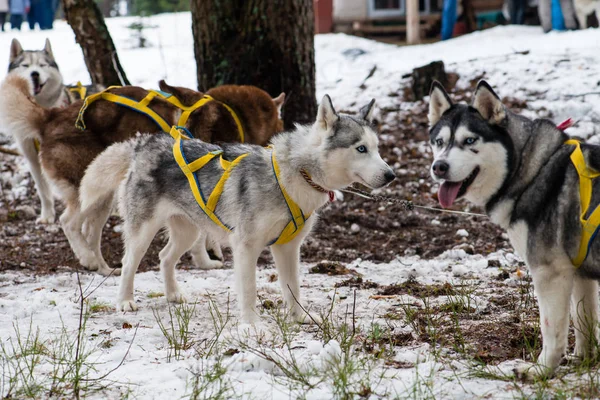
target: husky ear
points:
(15, 50)
(279, 101)
(439, 103)
(187, 96)
(488, 104)
(366, 112)
(326, 116)
(48, 48)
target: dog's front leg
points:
(584, 312)
(182, 235)
(552, 285)
(47, 215)
(287, 262)
(245, 255)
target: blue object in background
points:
(448, 19)
(558, 22)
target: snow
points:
(521, 62)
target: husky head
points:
(38, 67)
(471, 146)
(348, 148)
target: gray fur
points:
(155, 194)
(538, 204)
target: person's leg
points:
(2, 19)
(568, 12)
(545, 13)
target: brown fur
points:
(66, 151)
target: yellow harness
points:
(80, 90)
(589, 227)
(189, 169)
(142, 107)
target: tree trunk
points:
(99, 51)
(266, 43)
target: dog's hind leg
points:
(287, 260)
(47, 215)
(72, 222)
(245, 255)
(182, 235)
(200, 256)
(584, 312)
(95, 218)
(137, 241)
(214, 247)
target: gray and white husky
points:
(520, 171)
(48, 90)
(335, 151)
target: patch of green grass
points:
(154, 295)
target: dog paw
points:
(176, 297)
(210, 264)
(528, 372)
(46, 218)
(108, 271)
(305, 319)
(127, 305)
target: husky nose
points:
(35, 75)
(389, 176)
(440, 168)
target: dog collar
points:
(312, 183)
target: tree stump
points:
(423, 77)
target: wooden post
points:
(412, 21)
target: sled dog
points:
(47, 88)
(583, 8)
(265, 196)
(537, 184)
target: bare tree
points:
(99, 51)
(267, 43)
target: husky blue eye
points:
(439, 142)
(361, 149)
(470, 140)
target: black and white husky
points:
(334, 152)
(46, 82)
(520, 171)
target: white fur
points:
(490, 158)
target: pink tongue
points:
(448, 192)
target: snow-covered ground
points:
(549, 71)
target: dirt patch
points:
(357, 282)
(331, 268)
(416, 289)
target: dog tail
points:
(20, 115)
(105, 174)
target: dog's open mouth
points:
(450, 191)
(37, 86)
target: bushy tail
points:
(104, 175)
(20, 115)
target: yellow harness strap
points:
(189, 169)
(80, 90)
(589, 226)
(298, 219)
(142, 106)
